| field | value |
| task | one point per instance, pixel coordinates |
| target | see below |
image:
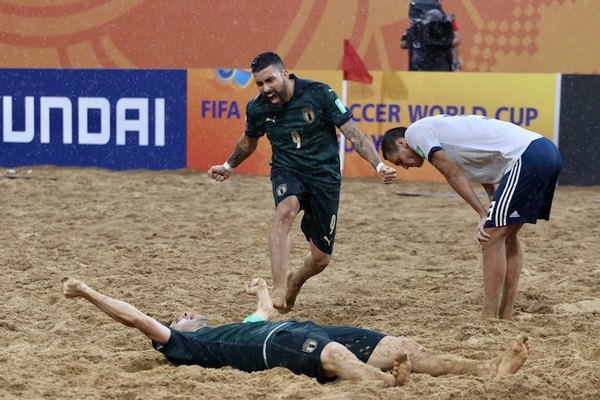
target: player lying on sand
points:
(319, 351)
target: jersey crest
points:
(281, 190)
(310, 345)
(309, 114)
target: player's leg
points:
(443, 364)
(494, 271)
(315, 261)
(435, 364)
(318, 225)
(514, 265)
(337, 360)
(523, 196)
(279, 247)
(383, 354)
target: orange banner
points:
(216, 119)
(217, 102)
(497, 36)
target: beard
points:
(276, 97)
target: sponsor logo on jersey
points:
(310, 345)
(270, 119)
(514, 214)
(309, 114)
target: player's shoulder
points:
(425, 121)
(257, 104)
(422, 126)
(307, 85)
(257, 101)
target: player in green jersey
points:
(300, 118)
(320, 351)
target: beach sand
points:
(404, 263)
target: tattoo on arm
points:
(361, 143)
(243, 148)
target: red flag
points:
(354, 68)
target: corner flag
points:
(354, 70)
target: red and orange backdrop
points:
(498, 36)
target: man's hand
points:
(73, 288)
(219, 173)
(481, 235)
(254, 285)
(264, 306)
(387, 174)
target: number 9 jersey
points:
(302, 131)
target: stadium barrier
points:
(170, 119)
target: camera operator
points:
(432, 38)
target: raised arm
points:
(244, 147)
(118, 310)
(264, 305)
(366, 150)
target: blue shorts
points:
(525, 192)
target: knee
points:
(403, 344)
(498, 237)
(286, 211)
(333, 352)
(320, 260)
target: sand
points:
(404, 263)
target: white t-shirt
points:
(483, 148)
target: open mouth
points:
(272, 97)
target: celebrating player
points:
(299, 118)
(322, 352)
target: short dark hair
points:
(263, 60)
(388, 142)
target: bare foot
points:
(513, 358)
(294, 283)
(278, 298)
(401, 369)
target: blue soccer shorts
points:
(525, 192)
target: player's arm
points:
(119, 310)
(459, 182)
(366, 150)
(490, 189)
(244, 147)
(264, 306)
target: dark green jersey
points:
(239, 345)
(256, 346)
(302, 131)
